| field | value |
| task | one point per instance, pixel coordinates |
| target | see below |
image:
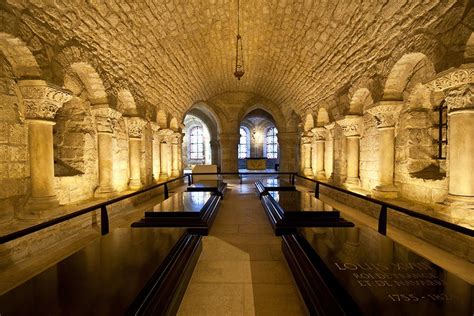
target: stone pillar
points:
(319, 135)
(386, 115)
(306, 140)
(41, 101)
(163, 160)
(180, 153)
(229, 144)
(458, 88)
(135, 133)
(175, 155)
(288, 151)
(329, 152)
(351, 126)
(105, 119)
(214, 143)
(155, 150)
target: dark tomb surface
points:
(272, 184)
(386, 278)
(182, 202)
(298, 204)
(103, 278)
(205, 184)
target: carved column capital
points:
(165, 135)
(386, 113)
(306, 138)
(105, 118)
(351, 125)
(319, 133)
(135, 126)
(41, 100)
(457, 84)
(453, 77)
(460, 98)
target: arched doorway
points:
(200, 141)
(258, 139)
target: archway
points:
(258, 145)
(200, 141)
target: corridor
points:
(241, 270)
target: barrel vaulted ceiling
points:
(297, 53)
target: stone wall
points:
(14, 168)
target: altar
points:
(258, 163)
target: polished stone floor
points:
(241, 270)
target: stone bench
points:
(128, 271)
(194, 210)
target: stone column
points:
(319, 135)
(164, 160)
(329, 151)
(306, 140)
(135, 133)
(351, 126)
(165, 155)
(175, 155)
(287, 142)
(458, 88)
(229, 145)
(155, 150)
(180, 153)
(214, 143)
(386, 115)
(105, 119)
(41, 101)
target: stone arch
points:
(22, 61)
(162, 119)
(420, 98)
(209, 112)
(211, 119)
(126, 102)
(469, 50)
(174, 125)
(410, 68)
(322, 118)
(267, 106)
(308, 123)
(92, 82)
(360, 101)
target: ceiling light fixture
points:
(239, 56)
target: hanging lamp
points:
(239, 56)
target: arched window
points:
(271, 143)
(196, 143)
(244, 144)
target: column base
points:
(104, 192)
(352, 183)
(135, 184)
(321, 175)
(163, 176)
(39, 208)
(388, 191)
(459, 201)
(308, 172)
(175, 173)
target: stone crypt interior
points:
(366, 107)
